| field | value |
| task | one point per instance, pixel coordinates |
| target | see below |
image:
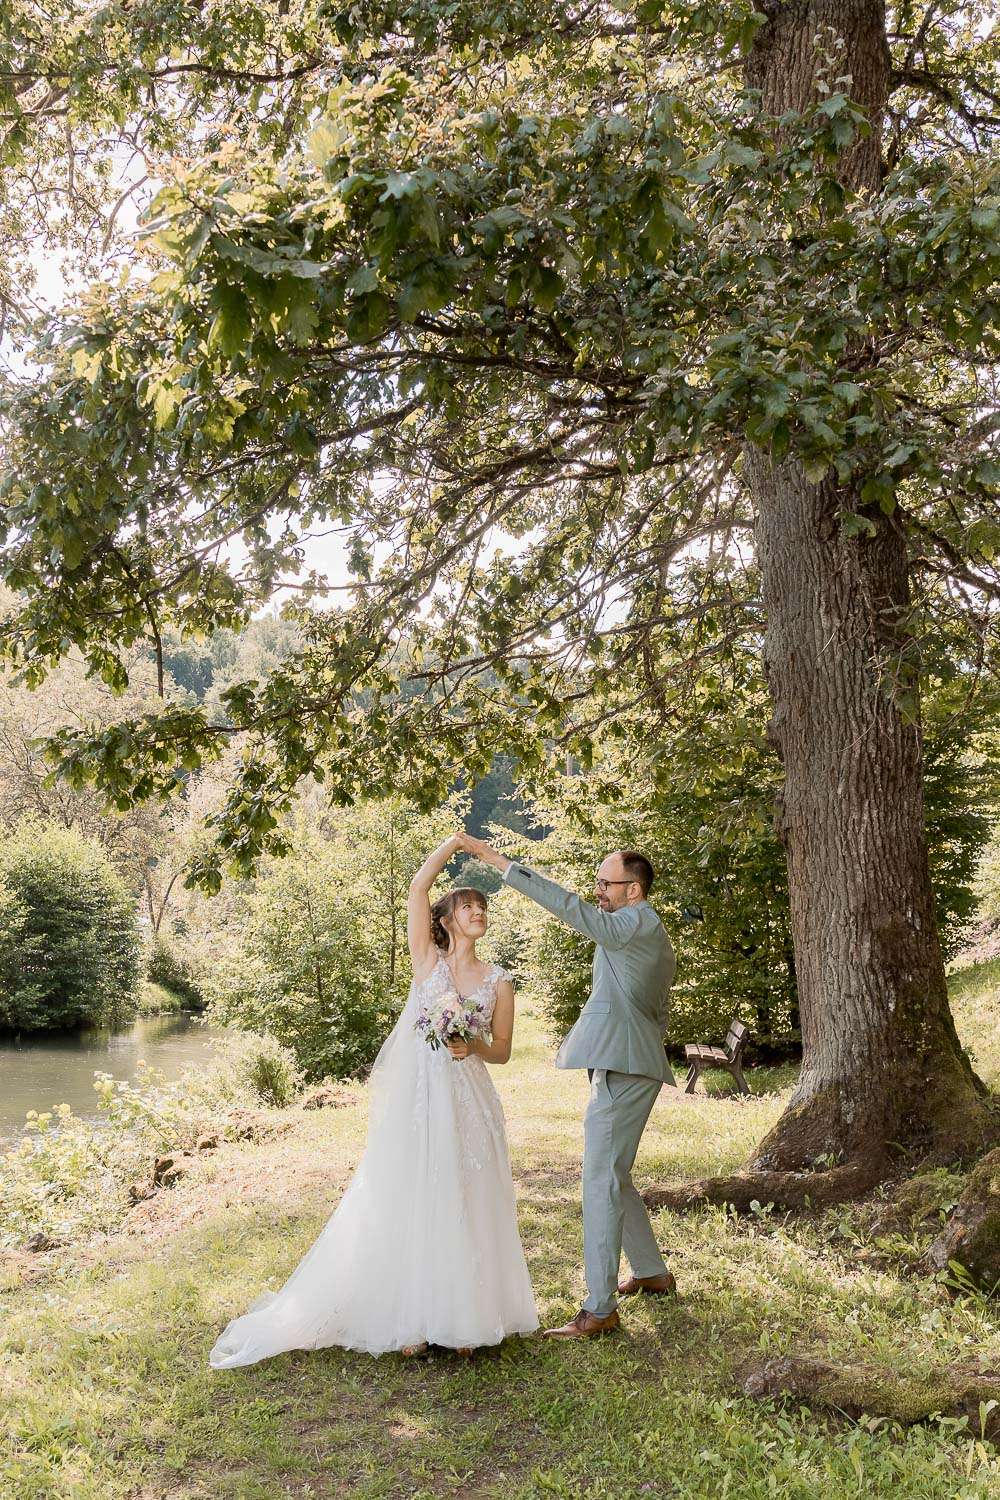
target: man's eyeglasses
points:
(602, 885)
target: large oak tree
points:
(640, 287)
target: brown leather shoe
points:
(663, 1285)
(585, 1325)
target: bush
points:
(729, 933)
(69, 939)
(987, 886)
(154, 1000)
(306, 968)
(262, 1067)
(333, 1029)
(173, 970)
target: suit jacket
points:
(621, 1027)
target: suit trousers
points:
(614, 1215)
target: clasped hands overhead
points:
(465, 843)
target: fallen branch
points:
(864, 1390)
(783, 1190)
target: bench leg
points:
(692, 1079)
(741, 1082)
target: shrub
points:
(334, 1027)
(69, 939)
(166, 965)
(262, 1067)
(987, 886)
(304, 968)
(154, 1000)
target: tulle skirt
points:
(424, 1244)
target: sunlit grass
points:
(107, 1394)
(975, 994)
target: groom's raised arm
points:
(612, 929)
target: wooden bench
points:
(700, 1055)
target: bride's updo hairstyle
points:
(445, 905)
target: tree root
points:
(857, 1390)
(782, 1190)
(971, 1237)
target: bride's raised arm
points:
(418, 904)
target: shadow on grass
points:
(393, 1426)
(763, 1081)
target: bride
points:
(423, 1247)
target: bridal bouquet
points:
(448, 1018)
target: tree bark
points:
(882, 1064)
(881, 1059)
(972, 1235)
(903, 1396)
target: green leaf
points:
(231, 328)
(325, 141)
(166, 400)
(833, 104)
(74, 548)
(988, 473)
(412, 300)
(370, 316)
(546, 286)
(676, 215)
(739, 155)
(427, 218)
(300, 316)
(854, 525)
(400, 185)
(365, 279)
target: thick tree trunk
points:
(882, 1064)
(881, 1060)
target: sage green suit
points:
(619, 1038)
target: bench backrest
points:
(736, 1038)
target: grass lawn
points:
(107, 1394)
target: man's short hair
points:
(637, 867)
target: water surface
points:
(39, 1072)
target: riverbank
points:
(108, 1396)
(157, 1000)
(44, 1070)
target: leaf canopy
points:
(499, 293)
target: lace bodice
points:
(440, 979)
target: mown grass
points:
(108, 1396)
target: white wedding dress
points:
(424, 1243)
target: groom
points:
(618, 1038)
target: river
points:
(40, 1072)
